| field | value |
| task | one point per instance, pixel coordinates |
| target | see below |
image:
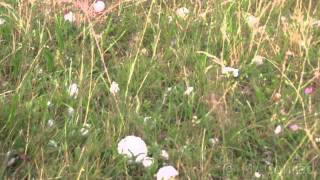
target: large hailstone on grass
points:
(133, 147)
(167, 173)
(99, 6)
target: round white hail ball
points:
(133, 147)
(99, 6)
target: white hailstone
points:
(166, 173)
(258, 60)
(235, 73)
(69, 17)
(316, 23)
(317, 139)
(226, 70)
(257, 174)
(278, 129)
(144, 51)
(2, 21)
(73, 90)
(147, 162)
(182, 12)
(253, 22)
(50, 122)
(70, 111)
(164, 154)
(40, 71)
(283, 18)
(114, 88)
(49, 103)
(188, 91)
(133, 147)
(214, 141)
(53, 143)
(170, 19)
(146, 119)
(85, 129)
(99, 6)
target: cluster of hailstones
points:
(135, 148)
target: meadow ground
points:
(229, 89)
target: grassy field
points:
(229, 89)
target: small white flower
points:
(99, 6)
(133, 147)
(258, 60)
(2, 21)
(69, 17)
(53, 143)
(164, 154)
(188, 91)
(182, 12)
(257, 174)
(73, 90)
(147, 162)
(169, 89)
(166, 173)
(214, 141)
(114, 88)
(317, 139)
(70, 111)
(278, 129)
(50, 122)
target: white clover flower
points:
(182, 12)
(188, 91)
(278, 129)
(214, 141)
(2, 21)
(99, 6)
(167, 173)
(50, 122)
(73, 90)
(70, 111)
(133, 147)
(257, 174)
(164, 154)
(258, 60)
(226, 70)
(147, 162)
(70, 17)
(114, 88)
